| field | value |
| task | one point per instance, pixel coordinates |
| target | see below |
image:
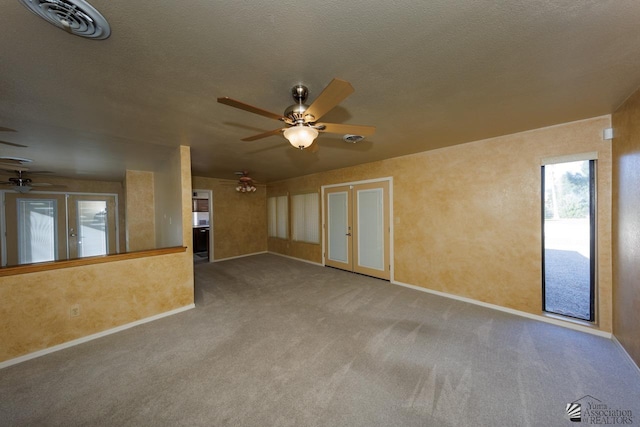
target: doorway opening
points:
(202, 226)
(568, 239)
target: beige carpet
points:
(277, 342)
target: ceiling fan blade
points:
(4, 129)
(43, 184)
(4, 164)
(250, 108)
(33, 172)
(13, 144)
(263, 135)
(331, 96)
(14, 169)
(347, 129)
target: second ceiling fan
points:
(302, 126)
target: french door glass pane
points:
(370, 229)
(568, 279)
(338, 227)
(37, 221)
(92, 228)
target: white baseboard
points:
(624, 350)
(552, 320)
(239, 256)
(82, 340)
(297, 259)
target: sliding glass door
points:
(569, 239)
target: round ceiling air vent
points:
(352, 138)
(74, 16)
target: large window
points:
(305, 214)
(278, 216)
(568, 238)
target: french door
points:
(357, 228)
(50, 227)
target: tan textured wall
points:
(185, 189)
(626, 225)
(35, 306)
(140, 210)
(239, 220)
(467, 218)
(167, 194)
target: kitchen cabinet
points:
(200, 205)
(200, 239)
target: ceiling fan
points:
(21, 183)
(301, 120)
(245, 182)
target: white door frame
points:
(366, 181)
(210, 197)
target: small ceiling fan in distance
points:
(21, 184)
(245, 183)
(301, 120)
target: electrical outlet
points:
(74, 311)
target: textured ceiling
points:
(426, 74)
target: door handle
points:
(348, 234)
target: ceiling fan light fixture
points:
(22, 188)
(247, 188)
(300, 136)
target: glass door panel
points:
(568, 239)
(92, 228)
(338, 231)
(371, 230)
(36, 226)
(91, 225)
(37, 231)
